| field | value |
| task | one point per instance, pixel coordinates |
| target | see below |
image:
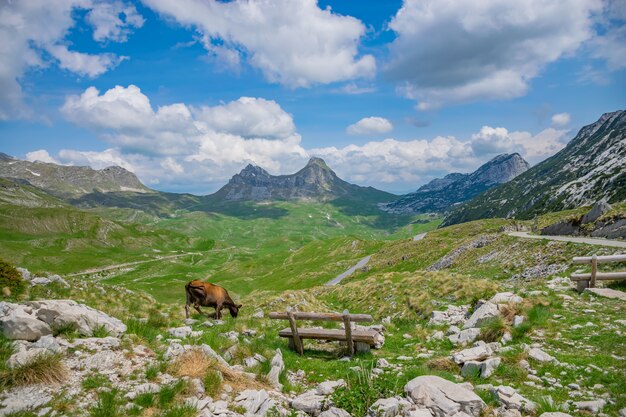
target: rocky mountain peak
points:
(501, 169)
(5, 157)
(317, 162)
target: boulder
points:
(310, 402)
(510, 398)
(442, 397)
(591, 406)
(464, 336)
(486, 311)
(335, 412)
(598, 210)
(517, 320)
(24, 357)
(388, 407)
(18, 322)
(452, 315)
(256, 403)
(180, 332)
(555, 414)
(489, 367)
(276, 369)
(505, 298)
(86, 319)
(328, 387)
(540, 356)
(477, 353)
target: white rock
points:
(438, 335)
(592, 406)
(86, 319)
(276, 369)
(309, 402)
(18, 322)
(388, 407)
(510, 398)
(555, 414)
(622, 412)
(258, 314)
(517, 320)
(477, 353)
(256, 403)
(452, 315)
(382, 363)
(483, 313)
(465, 336)
(442, 397)
(328, 387)
(540, 356)
(22, 399)
(180, 332)
(489, 367)
(505, 298)
(335, 412)
(24, 357)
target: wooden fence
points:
(588, 280)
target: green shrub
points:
(493, 329)
(212, 382)
(100, 331)
(95, 381)
(108, 405)
(11, 279)
(362, 391)
(168, 393)
(46, 368)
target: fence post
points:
(348, 328)
(294, 332)
(594, 270)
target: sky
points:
(390, 93)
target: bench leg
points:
(292, 344)
(362, 347)
(581, 285)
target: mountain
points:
(442, 193)
(590, 168)
(316, 181)
(70, 181)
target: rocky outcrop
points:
(442, 397)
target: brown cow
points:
(200, 293)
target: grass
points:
(192, 363)
(46, 368)
(168, 393)
(493, 329)
(108, 405)
(212, 382)
(95, 381)
(100, 331)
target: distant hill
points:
(442, 193)
(70, 181)
(590, 168)
(316, 181)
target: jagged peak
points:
(5, 157)
(253, 170)
(316, 161)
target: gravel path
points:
(349, 272)
(124, 265)
(587, 240)
(419, 237)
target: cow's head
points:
(234, 310)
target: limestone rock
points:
(592, 406)
(442, 397)
(388, 407)
(477, 353)
(555, 414)
(464, 336)
(510, 398)
(276, 369)
(24, 357)
(310, 402)
(335, 412)
(328, 387)
(452, 315)
(600, 208)
(540, 356)
(256, 403)
(18, 322)
(486, 311)
(180, 332)
(86, 319)
(505, 298)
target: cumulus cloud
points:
(450, 51)
(113, 21)
(294, 43)
(370, 126)
(41, 155)
(184, 148)
(561, 119)
(33, 35)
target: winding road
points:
(586, 240)
(349, 272)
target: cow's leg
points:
(218, 311)
(187, 310)
(197, 307)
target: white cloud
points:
(41, 155)
(561, 119)
(33, 35)
(370, 126)
(198, 149)
(354, 89)
(294, 43)
(450, 51)
(113, 21)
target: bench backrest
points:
(589, 279)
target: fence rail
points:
(588, 280)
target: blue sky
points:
(390, 93)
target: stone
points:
(511, 399)
(438, 335)
(420, 412)
(18, 322)
(471, 368)
(517, 320)
(591, 406)
(486, 311)
(540, 356)
(24, 357)
(388, 407)
(555, 414)
(276, 369)
(328, 387)
(256, 403)
(489, 367)
(382, 363)
(180, 332)
(310, 402)
(597, 211)
(622, 412)
(505, 298)
(607, 293)
(507, 337)
(84, 318)
(452, 315)
(22, 399)
(442, 397)
(477, 353)
(50, 343)
(335, 412)
(258, 314)
(464, 336)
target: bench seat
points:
(362, 336)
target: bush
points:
(11, 279)
(43, 369)
(108, 405)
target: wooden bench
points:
(359, 340)
(588, 280)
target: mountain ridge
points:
(590, 168)
(442, 193)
